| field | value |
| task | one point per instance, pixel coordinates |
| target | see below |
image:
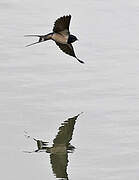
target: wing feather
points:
(62, 24)
(68, 49)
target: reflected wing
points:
(64, 135)
(62, 24)
(59, 164)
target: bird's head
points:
(72, 39)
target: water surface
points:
(40, 87)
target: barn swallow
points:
(61, 35)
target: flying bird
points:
(61, 35)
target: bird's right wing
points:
(62, 25)
(64, 135)
(68, 49)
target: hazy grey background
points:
(40, 87)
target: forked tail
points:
(40, 39)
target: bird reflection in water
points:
(60, 149)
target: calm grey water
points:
(40, 87)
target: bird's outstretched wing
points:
(68, 49)
(62, 25)
(64, 135)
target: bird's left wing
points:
(59, 164)
(68, 49)
(62, 25)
